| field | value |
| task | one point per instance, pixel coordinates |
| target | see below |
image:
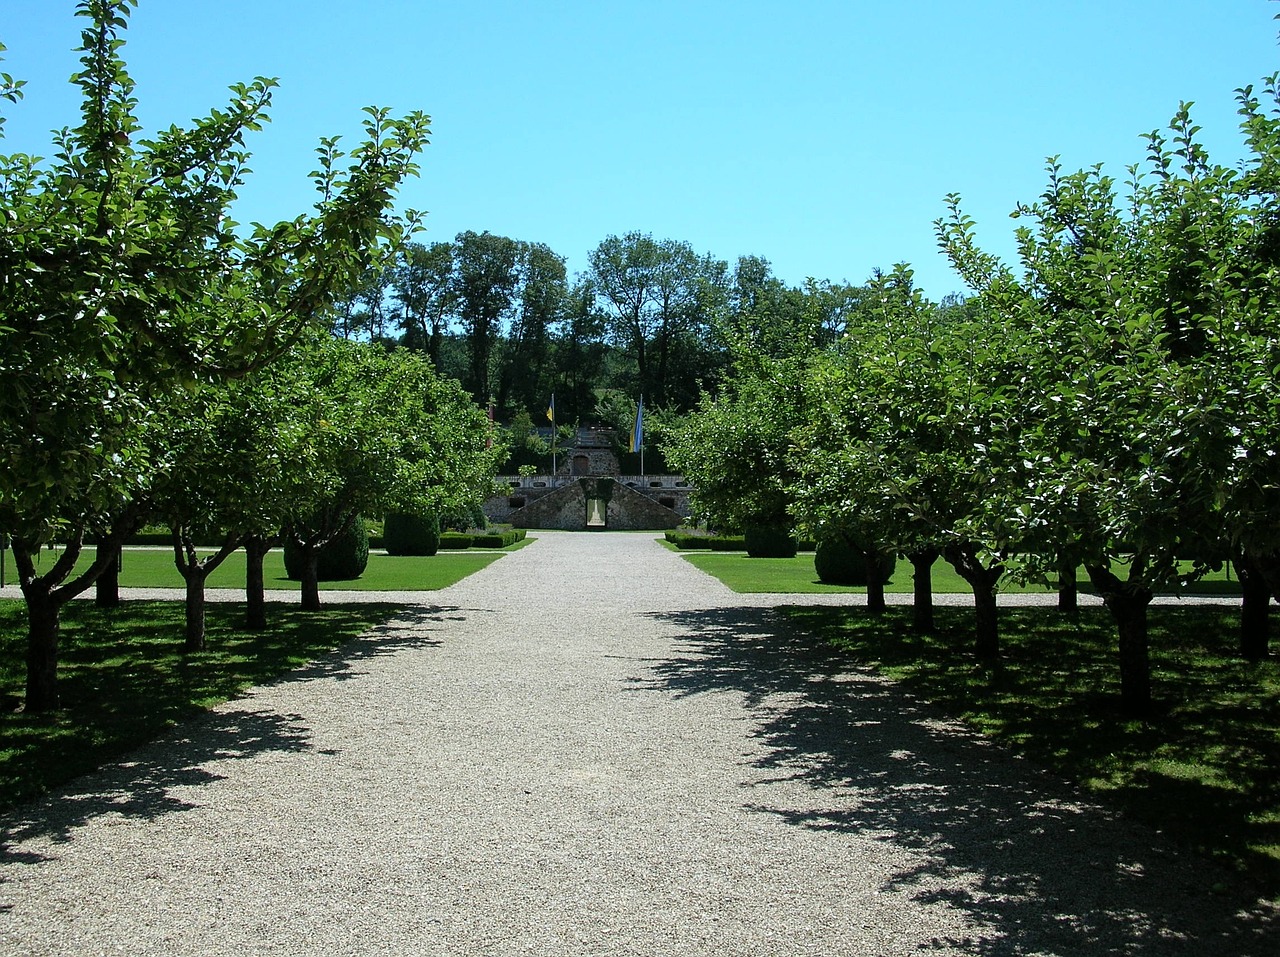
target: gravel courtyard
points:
(591, 747)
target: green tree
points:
(524, 374)
(128, 280)
(662, 303)
(486, 277)
(384, 433)
(423, 278)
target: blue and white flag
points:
(637, 432)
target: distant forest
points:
(649, 317)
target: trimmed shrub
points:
(727, 543)
(464, 519)
(770, 541)
(405, 534)
(343, 559)
(839, 562)
(455, 540)
(499, 539)
(683, 538)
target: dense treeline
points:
(649, 317)
(1113, 403)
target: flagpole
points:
(551, 414)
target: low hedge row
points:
(503, 538)
(685, 539)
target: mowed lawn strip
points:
(796, 576)
(124, 678)
(1203, 768)
(154, 568)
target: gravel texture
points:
(591, 747)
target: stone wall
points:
(565, 507)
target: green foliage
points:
(839, 561)
(408, 534)
(770, 541)
(456, 540)
(343, 558)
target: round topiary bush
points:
(343, 559)
(770, 541)
(839, 562)
(405, 534)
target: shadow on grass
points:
(1016, 850)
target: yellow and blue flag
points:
(551, 410)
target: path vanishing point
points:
(591, 747)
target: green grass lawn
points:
(796, 576)
(124, 678)
(154, 568)
(1205, 768)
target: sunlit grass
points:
(154, 568)
(796, 576)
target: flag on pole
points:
(551, 410)
(637, 431)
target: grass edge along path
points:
(1203, 769)
(124, 679)
(154, 568)
(796, 576)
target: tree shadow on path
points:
(145, 784)
(1037, 867)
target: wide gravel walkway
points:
(591, 747)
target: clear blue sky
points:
(822, 135)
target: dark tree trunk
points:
(1068, 590)
(42, 651)
(875, 582)
(255, 614)
(1268, 566)
(195, 571)
(311, 578)
(194, 636)
(922, 594)
(46, 594)
(983, 581)
(107, 587)
(1255, 610)
(1128, 603)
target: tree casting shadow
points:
(1017, 851)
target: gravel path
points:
(590, 747)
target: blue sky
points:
(821, 135)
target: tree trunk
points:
(1128, 603)
(875, 583)
(1255, 611)
(922, 595)
(982, 580)
(195, 608)
(42, 651)
(107, 587)
(1068, 590)
(255, 613)
(311, 578)
(1268, 566)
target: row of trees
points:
(648, 317)
(1112, 403)
(158, 359)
